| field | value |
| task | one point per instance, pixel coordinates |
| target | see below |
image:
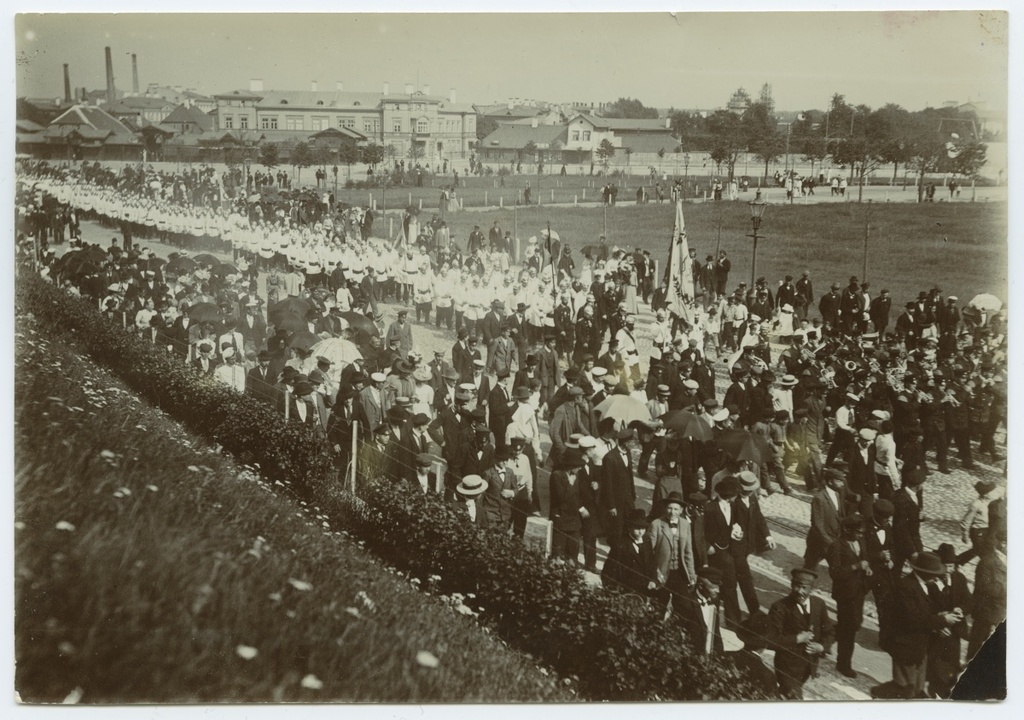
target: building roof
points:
(89, 121)
(137, 103)
(237, 95)
(319, 98)
(503, 110)
(184, 114)
(515, 137)
(622, 124)
(342, 132)
(650, 142)
(27, 126)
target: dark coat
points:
(849, 580)
(825, 520)
(906, 527)
(628, 568)
(914, 623)
(566, 502)
(785, 622)
(618, 491)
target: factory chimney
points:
(110, 77)
(67, 84)
(135, 75)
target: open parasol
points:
(687, 425)
(986, 302)
(624, 408)
(339, 351)
(743, 445)
(204, 312)
(303, 340)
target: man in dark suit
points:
(259, 383)
(880, 311)
(722, 530)
(206, 362)
(878, 539)
(618, 490)
(917, 620)
(630, 563)
(755, 537)
(950, 593)
(738, 394)
(701, 612)
(565, 507)
(490, 326)
(906, 520)
(850, 570)
(828, 508)
(800, 631)
(861, 480)
(499, 407)
(462, 359)
(670, 537)
(549, 371)
(828, 306)
(517, 323)
(804, 295)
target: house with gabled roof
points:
(87, 132)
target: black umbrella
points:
(180, 266)
(686, 424)
(303, 340)
(205, 312)
(290, 322)
(207, 259)
(224, 269)
(290, 306)
(744, 445)
(361, 323)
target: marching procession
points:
(557, 396)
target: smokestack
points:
(408, 88)
(312, 86)
(341, 86)
(135, 75)
(451, 96)
(387, 89)
(110, 77)
(67, 84)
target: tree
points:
(530, 149)
(762, 132)
(890, 125)
(268, 155)
(322, 155)
(629, 154)
(967, 157)
(348, 153)
(605, 152)
(807, 137)
(630, 108)
(485, 126)
(372, 155)
(555, 151)
(392, 152)
(661, 157)
(690, 128)
(416, 151)
(728, 139)
(302, 157)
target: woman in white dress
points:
(629, 273)
(784, 323)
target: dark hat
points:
(463, 395)
(263, 356)
(697, 498)
(728, 487)
(420, 419)
(637, 518)
(303, 387)
(673, 497)
(321, 360)
(803, 574)
(928, 564)
(346, 392)
(503, 373)
(382, 429)
(531, 360)
(711, 574)
(914, 478)
(289, 372)
(571, 460)
(504, 453)
(882, 509)
(833, 474)
(984, 487)
(624, 434)
(853, 521)
(946, 553)
(521, 393)
(424, 460)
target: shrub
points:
(245, 427)
(614, 646)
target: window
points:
(347, 122)
(243, 122)
(229, 122)
(586, 135)
(575, 135)
(367, 125)
(293, 122)
(422, 126)
(318, 124)
(396, 125)
(268, 123)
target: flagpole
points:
(554, 279)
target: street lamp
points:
(757, 207)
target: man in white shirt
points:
(230, 373)
(843, 441)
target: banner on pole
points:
(680, 270)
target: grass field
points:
(961, 247)
(150, 569)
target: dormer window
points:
(284, 102)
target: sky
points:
(682, 60)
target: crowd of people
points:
(853, 409)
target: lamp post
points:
(757, 207)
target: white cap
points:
(478, 362)
(228, 352)
(722, 414)
(691, 384)
(868, 433)
(378, 377)
(588, 441)
(599, 371)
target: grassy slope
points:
(176, 558)
(907, 251)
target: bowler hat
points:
(928, 563)
(637, 518)
(711, 574)
(946, 553)
(882, 509)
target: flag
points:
(680, 270)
